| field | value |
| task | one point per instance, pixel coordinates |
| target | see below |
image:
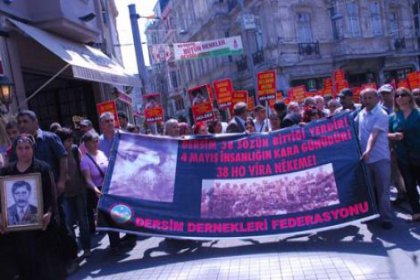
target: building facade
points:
(304, 40)
(62, 58)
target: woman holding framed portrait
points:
(28, 230)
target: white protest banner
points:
(202, 49)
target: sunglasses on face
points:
(401, 95)
(22, 140)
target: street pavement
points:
(358, 251)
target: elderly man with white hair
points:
(293, 115)
(171, 128)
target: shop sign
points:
(123, 97)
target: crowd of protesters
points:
(388, 125)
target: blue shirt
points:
(49, 148)
(368, 121)
(105, 144)
(408, 149)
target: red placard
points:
(239, 96)
(339, 86)
(328, 89)
(297, 93)
(356, 94)
(414, 79)
(340, 81)
(266, 85)
(153, 110)
(201, 103)
(339, 75)
(223, 91)
(279, 96)
(404, 83)
(109, 106)
(251, 104)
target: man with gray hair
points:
(171, 128)
(373, 136)
(293, 115)
(106, 140)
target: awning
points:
(87, 63)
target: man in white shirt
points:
(261, 121)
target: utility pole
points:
(250, 60)
(144, 77)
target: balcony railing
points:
(242, 63)
(258, 57)
(308, 48)
(399, 43)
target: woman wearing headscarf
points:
(32, 254)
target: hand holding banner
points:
(279, 183)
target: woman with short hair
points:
(404, 131)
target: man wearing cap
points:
(386, 93)
(346, 100)
(237, 123)
(84, 126)
(260, 121)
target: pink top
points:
(87, 164)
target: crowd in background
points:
(388, 125)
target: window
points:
(335, 17)
(304, 31)
(416, 17)
(179, 104)
(393, 23)
(174, 79)
(375, 15)
(353, 24)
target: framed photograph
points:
(21, 200)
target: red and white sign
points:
(223, 91)
(123, 97)
(201, 103)
(297, 93)
(239, 96)
(153, 110)
(267, 85)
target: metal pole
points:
(138, 47)
(248, 52)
